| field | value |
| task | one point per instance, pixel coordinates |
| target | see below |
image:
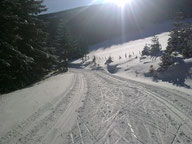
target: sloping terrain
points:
(129, 63)
(97, 23)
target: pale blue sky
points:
(59, 5)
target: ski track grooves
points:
(100, 108)
(147, 110)
(45, 122)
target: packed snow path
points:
(103, 109)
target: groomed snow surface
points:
(85, 107)
(100, 104)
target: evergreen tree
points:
(187, 41)
(155, 47)
(166, 61)
(23, 56)
(152, 49)
(146, 50)
(69, 46)
(175, 42)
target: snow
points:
(19, 105)
(100, 104)
(126, 48)
(136, 66)
(96, 107)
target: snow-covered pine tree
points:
(155, 47)
(175, 42)
(24, 57)
(146, 50)
(166, 61)
(187, 41)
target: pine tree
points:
(175, 42)
(166, 61)
(155, 47)
(187, 41)
(68, 45)
(152, 49)
(23, 56)
(146, 50)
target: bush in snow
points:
(109, 60)
(152, 49)
(146, 50)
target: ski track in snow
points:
(100, 108)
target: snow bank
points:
(17, 106)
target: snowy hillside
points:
(128, 62)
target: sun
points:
(120, 3)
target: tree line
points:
(27, 50)
(179, 45)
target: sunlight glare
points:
(120, 3)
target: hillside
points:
(128, 62)
(98, 23)
(135, 66)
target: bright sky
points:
(59, 5)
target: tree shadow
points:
(75, 65)
(112, 68)
(177, 73)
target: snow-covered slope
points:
(133, 48)
(19, 105)
(135, 66)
